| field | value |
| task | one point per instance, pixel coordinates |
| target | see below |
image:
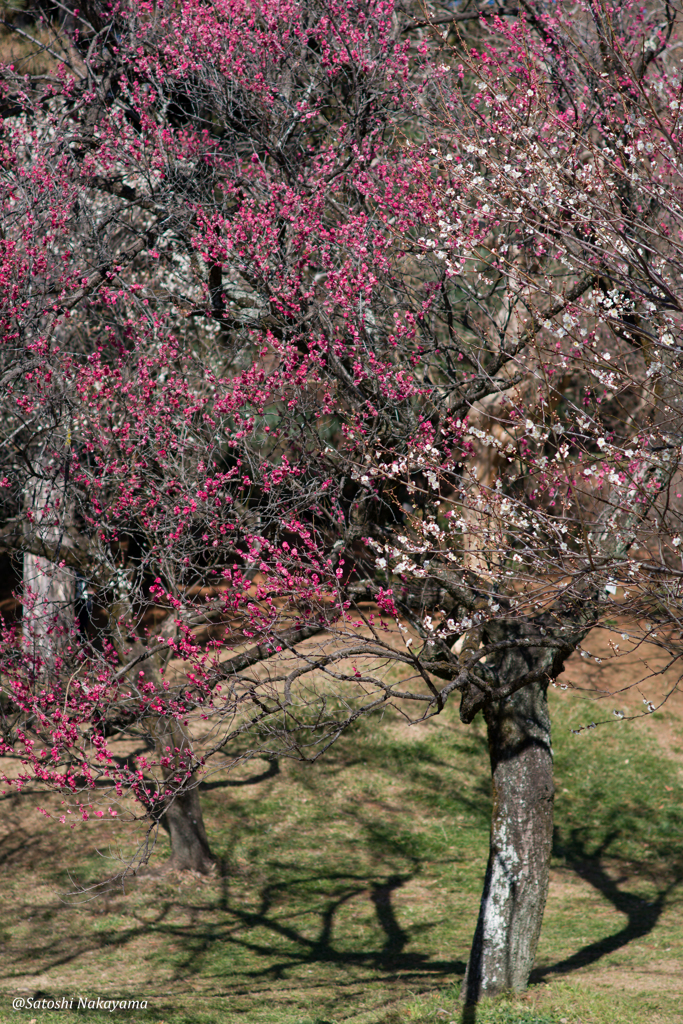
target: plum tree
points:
(340, 370)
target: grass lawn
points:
(348, 890)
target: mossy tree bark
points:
(518, 726)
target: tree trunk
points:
(190, 849)
(182, 812)
(516, 884)
(49, 589)
(48, 616)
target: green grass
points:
(348, 891)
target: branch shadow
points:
(641, 915)
(391, 958)
(271, 771)
(261, 931)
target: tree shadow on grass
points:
(270, 940)
(391, 958)
(641, 915)
(271, 771)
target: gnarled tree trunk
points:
(516, 884)
(190, 849)
(182, 813)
